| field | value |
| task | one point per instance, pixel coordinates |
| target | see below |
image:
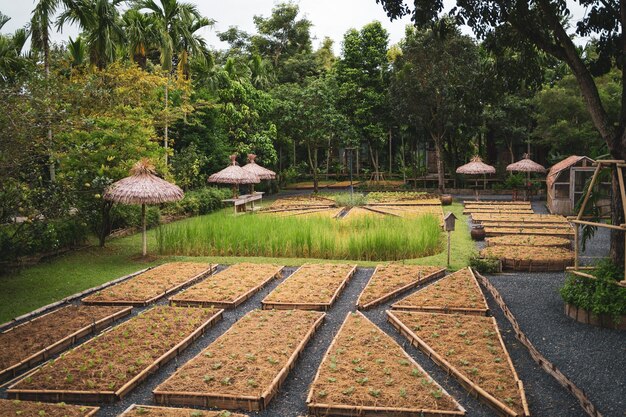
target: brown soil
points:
(472, 206)
(38, 409)
(532, 218)
(534, 253)
(497, 202)
(150, 411)
(311, 284)
(388, 279)
(472, 345)
(403, 196)
(524, 225)
(300, 201)
(246, 359)
(365, 367)
(457, 291)
(25, 340)
(230, 284)
(522, 231)
(108, 361)
(529, 240)
(150, 284)
(511, 211)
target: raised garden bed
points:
(309, 185)
(402, 196)
(497, 202)
(519, 218)
(366, 373)
(499, 231)
(35, 341)
(529, 240)
(497, 211)
(245, 367)
(33, 408)
(526, 225)
(299, 202)
(228, 288)
(530, 258)
(471, 349)
(311, 287)
(588, 317)
(151, 411)
(151, 285)
(388, 281)
(109, 366)
(457, 293)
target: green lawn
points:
(50, 281)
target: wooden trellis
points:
(578, 221)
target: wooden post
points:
(144, 244)
(591, 185)
(620, 178)
(449, 248)
(576, 229)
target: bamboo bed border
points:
(340, 410)
(95, 397)
(93, 410)
(278, 305)
(529, 265)
(60, 345)
(69, 299)
(423, 280)
(233, 401)
(541, 360)
(567, 245)
(132, 407)
(484, 211)
(448, 310)
(490, 232)
(525, 225)
(143, 303)
(470, 386)
(226, 304)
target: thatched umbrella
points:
(258, 170)
(526, 165)
(235, 175)
(476, 167)
(143, 187)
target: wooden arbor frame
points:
(578, 220)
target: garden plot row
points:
(365, 373)
(244, 367)
(324, 212)
(228, 288)
(519, 218)
(406, 197)
(497, 203)
(526, 225)
(447, 321)
(408, 211)
(498, 210)
(310, 287)
(34, 408)
(150, 286)
(35, 341)
(530, 258)
(300, 202)
(390, 280)
(529, 240)
(109, 366)
(567, 233)
(151, 411)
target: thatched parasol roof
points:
(143, 187)
(258, 170)
(476, 166)
(234, 174)
(526, 165)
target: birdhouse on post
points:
(448, 222)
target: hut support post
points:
(144, 243)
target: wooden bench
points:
(241, 203)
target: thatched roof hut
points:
(476, 167)
(526, 165)
(143, 187)
(235, 175)
(258, 170)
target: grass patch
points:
(35, 286)
(367, 238)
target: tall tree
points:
(544, 23)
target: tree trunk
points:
(105, 222)
(313, 165)
(328, 158)
(46, 64)
(439, 155)
(374, 158)
(390, 153)
(165, 138)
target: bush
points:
(123, 216)
(601, 295)
(197, 202)
(30, 238)
(485, 265)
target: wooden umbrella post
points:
(144, 243)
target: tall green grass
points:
(369, 239)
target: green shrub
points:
(601, 295)
(344, 199)
(197, 202)
(485, 265)
(123, 215)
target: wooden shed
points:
(566, 183)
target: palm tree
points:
(11, 46)
(76, 51)
(177, 23)
(142, 35)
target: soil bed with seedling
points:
(109, 366)
(390, 280)
(406, 197)
(529, 240)
(519, 218)
(567, 233)
(366, 373)
(311, 287)
(243, 368)
(151, 411)
(33, 408)
(456, 293)
(512, 224)
(530, 258)
(498, 211)
(471, 349)
(151, 285)
(228, 288)
(33, 342)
